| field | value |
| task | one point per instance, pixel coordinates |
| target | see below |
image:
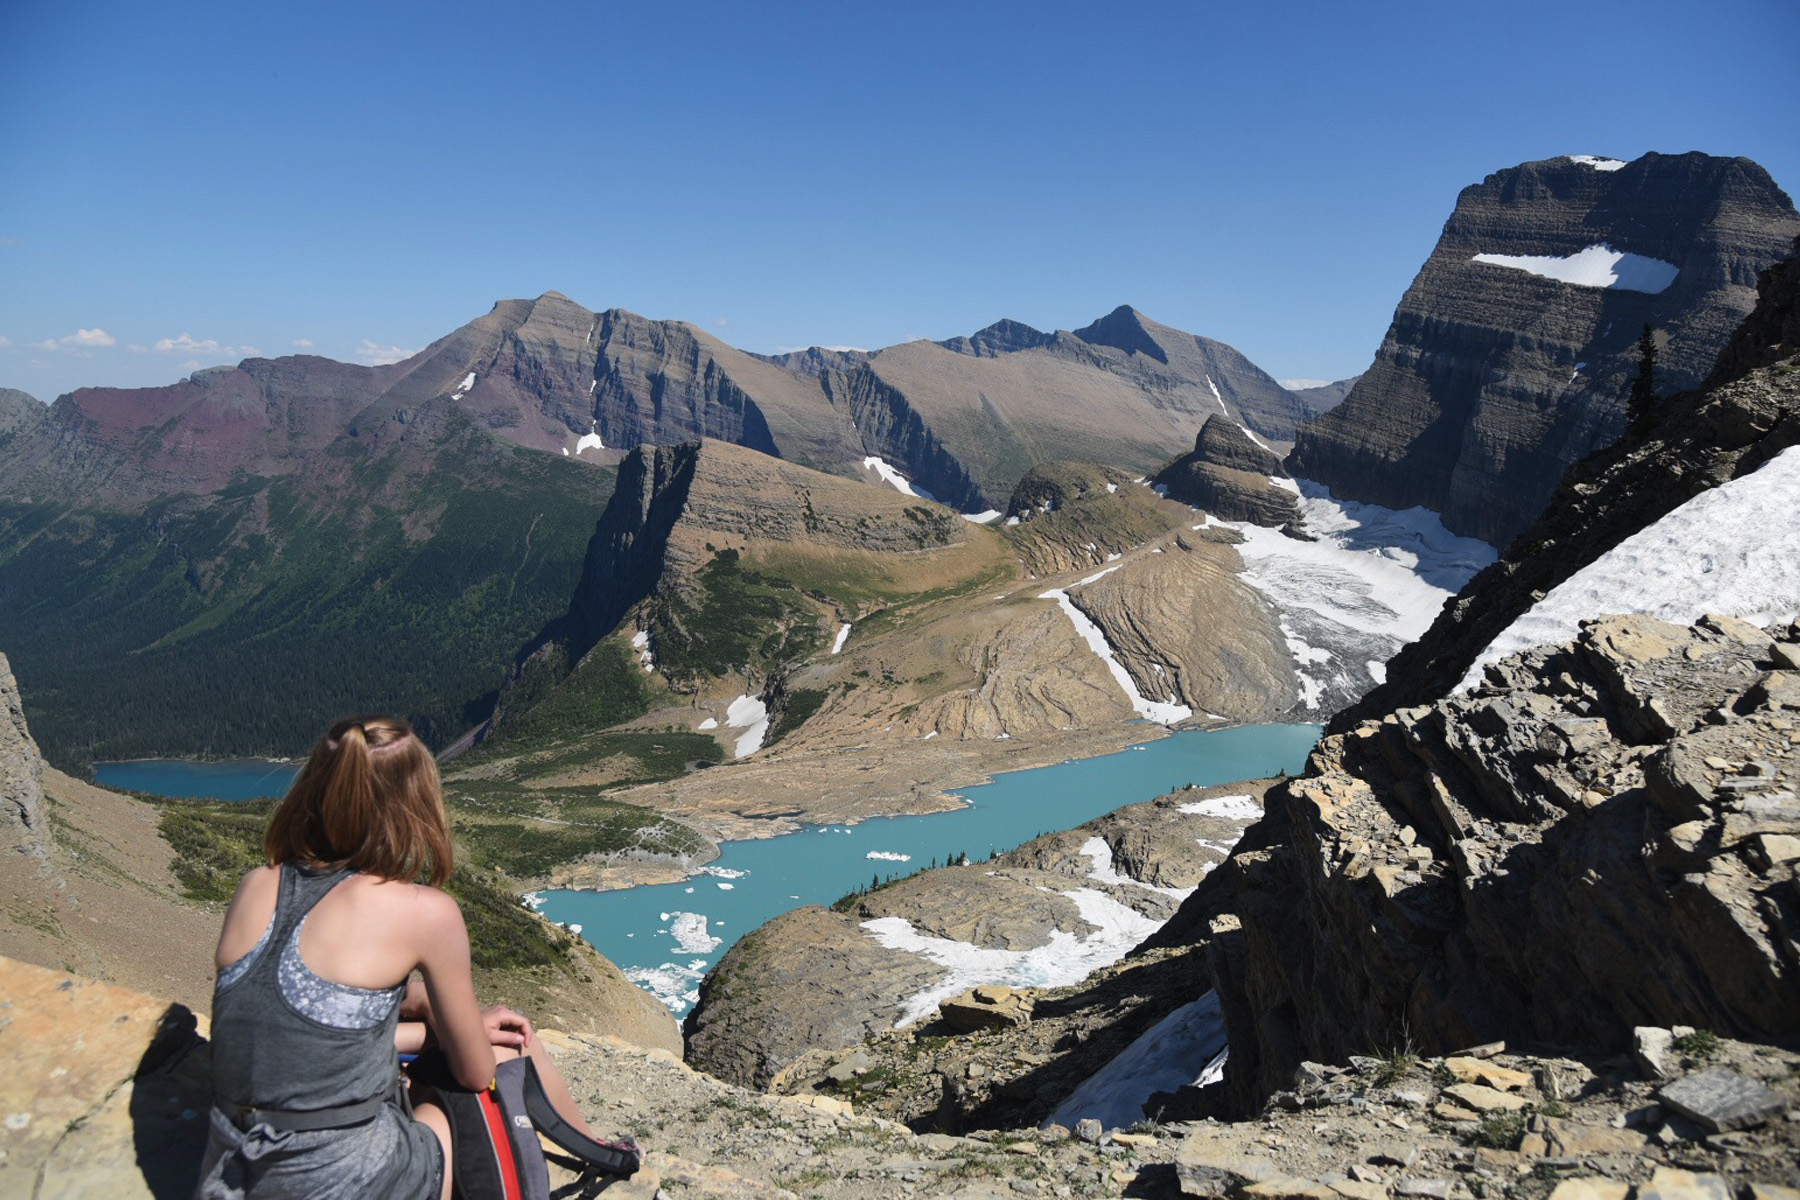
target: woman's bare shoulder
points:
(427, 907)
(257, 888)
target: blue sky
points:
(188, 183)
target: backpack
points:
(494, 1136)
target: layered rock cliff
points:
(1601, 836)
(1748, 413)
(1510, 356)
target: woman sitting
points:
(313, 997)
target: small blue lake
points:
(667, 936)
(237, 779)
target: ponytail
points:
(368, 799)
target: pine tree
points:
(1643, 384)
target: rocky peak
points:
(1127, 329)
(18, 410)
(24, 821)
(1232, 476)
(1002, 337)
(1224, 443)
(1510, 356)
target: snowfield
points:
(1229, 808)
(1063, 960)
(1734, 550)
(1185, 1048)
(894, 478)
(1162, 712)
(751, 715)
(1596, 267)
(1374, 580)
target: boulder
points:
(987, 1007)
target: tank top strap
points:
(300, 890)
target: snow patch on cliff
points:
(1596, 267)
(1733, 550)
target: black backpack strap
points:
(620, 1159)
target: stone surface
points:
(1721, 1099)
(1590, 1189)
(94, 1073)
(1492, 381)
(1670, 1183)
(1654, 1051)
(1475, 1070)
(1483, 1099)
(24, 824)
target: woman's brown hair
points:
(368, 799)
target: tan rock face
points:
(1188, 629)
(108, 1089)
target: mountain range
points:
(194, 538)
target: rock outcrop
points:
(18, 411)
(1496, 376)
(1601, 836)
(24, 821)
(1748, 412)
(1232, 477)
(818, 979)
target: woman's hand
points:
(506, 1027)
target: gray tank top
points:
(285, 1038)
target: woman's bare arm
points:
(442, 942)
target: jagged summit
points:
(1127, 329)
(1002, 337)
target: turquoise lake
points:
(667, 936)
(239, 779)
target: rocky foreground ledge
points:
(108, 1097)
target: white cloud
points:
(302, 343)
(4, 340)
(81, 338)
(137, 349)
(1294, 385)
(204, 347)
(722, 322)
(377, 355)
